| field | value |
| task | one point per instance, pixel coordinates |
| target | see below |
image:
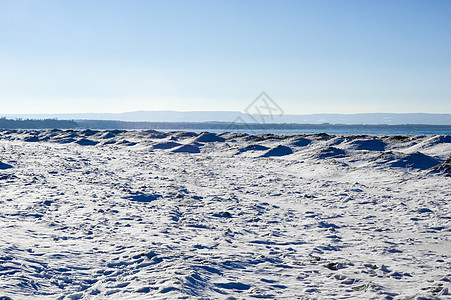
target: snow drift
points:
(174, 215)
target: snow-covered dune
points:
(183, 215)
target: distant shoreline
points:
(236, 117)
(411, 129)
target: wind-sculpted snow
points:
(301, 142)
(209, 137)
(190, 148)
(166, 145)
(368, 144)
(167, 215)
(4, 166)
(415, 160)
(252, 148)
(278, 151)
(444, 167)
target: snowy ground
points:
(148, 215)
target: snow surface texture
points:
(153, 215)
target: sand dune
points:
(166, 145)
(189, 148)
(278, 151)
(207, 137)
(177, 215)
(368, 144)
(415, 160)
(301, 142)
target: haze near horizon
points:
(309, 56)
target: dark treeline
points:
(223, 126)
(37, 124)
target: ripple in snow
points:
(4, 166)
(140, 197)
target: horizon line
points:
(221, 111)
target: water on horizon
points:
(329, 131)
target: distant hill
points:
(234, 116)
(37, 124)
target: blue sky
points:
(309, 56)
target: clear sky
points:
(313, 56)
